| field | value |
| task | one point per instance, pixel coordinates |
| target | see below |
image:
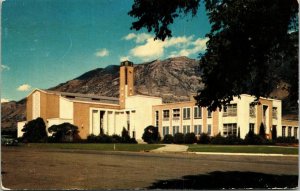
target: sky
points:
(47, 42)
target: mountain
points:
(173, 79)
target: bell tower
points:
(126, 82)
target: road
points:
(29, 168)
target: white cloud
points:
(152, 49)
(147, 48)
(24, 87)
(101, 53)
(139, 38)
(4, 67)
(197, 46)
(3, 100)
(124, 58)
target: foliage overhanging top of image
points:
(251, 44)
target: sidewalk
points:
(171, 148)
(183, 149)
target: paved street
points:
(61, 169)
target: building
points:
(90, 113)
(240, 117)
(134, 112)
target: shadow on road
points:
(229, 180)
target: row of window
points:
(289, 131)
(186, 129)
(252, 111)
(186, 113)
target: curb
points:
(243, 154)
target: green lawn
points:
(243, 149)
(95, 146)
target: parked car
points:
(8, 140)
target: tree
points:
(274, 133)
(125, 136)
(151, 135)
(262, 131)
(63, 132)
(35, 131)
(248, 42)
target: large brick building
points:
(134, 112)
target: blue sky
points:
(47, 42)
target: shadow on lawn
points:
(229, 180)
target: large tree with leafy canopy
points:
(250, 44)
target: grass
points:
(96, 146)
(243, 149)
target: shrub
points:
(253, 139)
(125, 136)
(218, 140)
(204, 139)
(262, 131)
(104, 139)
(168, 139)
(286, 140)
(132, 141)
(233, 140)
(274, 133)
(151, 135)
(35, 131)
(178, 138)
(190, 138)
(64, 132)
(116, 139)
(91, 138)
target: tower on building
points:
(126, 82)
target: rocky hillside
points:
(174, 79)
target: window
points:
(175, 130)
(186, 113)
(283, 131)
(252, 110)
(197, 129)
(209, 129)
(274, 112)
(165, 130)
(186, 129)
(251, 127)
(296, 132)
(231, 110)
(176, 113)
(229, 129)
(208, 114)
(156, 118)
(166, 114)
(289, 131)
(197, 112)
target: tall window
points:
(231, 110)
(229, 129)
(197, 112)
(209, 129)
(197, 129)
(274, 112)
(156, 118)
(186, 113)
(296, 132)
(283, 131)
(176, 113)
(175, 130)
(165, 130)
(252, 110)
(251, 127)
(186, 129)
(289, 131)
(208, 113)
(166, 114)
